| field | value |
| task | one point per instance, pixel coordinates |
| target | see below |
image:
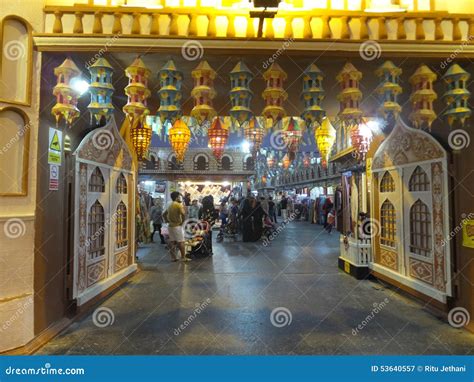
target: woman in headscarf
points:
(209, 214)
(252, 220)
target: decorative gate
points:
(104, 249)
(410, 207)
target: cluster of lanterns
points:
(350, 117)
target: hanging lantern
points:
(456, 96)
(422, 97)
(170, 95)
(141, 138)
(254, 133)
(312, 95)
(101, 90)
(350, 95)
(203, 93)
(179, 136)
(306, 161)
(361, 136)
(389, 89)
(270, 161)
(240, 93)
(274, 95)
(217, 136)
(325, 136)
(137, 91)
(286, 162)
(292, 136)
(66, 95)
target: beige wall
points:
(17, 213)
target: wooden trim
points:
(26, 151)
(431, 303)
(29, 60)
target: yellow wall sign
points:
(347, 267)
(468, 233)
(55, 144)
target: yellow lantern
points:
(179, 136)
(325, 136)
(286, 162)
(141, 138)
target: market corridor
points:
(285, 298)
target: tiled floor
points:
(224, 305)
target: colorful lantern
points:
(141, 138)
(170, 95)
(179, 136)
(286, 162)
(422, 97)
(254, 133)
(350, 95)
(312, 95)
(270, 161)
(66, 95)
(240, 93)
(361, 136)
(389, 89)
(101, 90)
(217, 136)
(203, 93)
(274, 95)
(137, 91)
(325, 136)
(306, 161)
(292, 136)
(457, 96)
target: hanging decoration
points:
(286, 162)
(292, 136)
(179, 136)
(240, 93)
(361, 136)
(422, 97)
(170, 95)
(312, 95)
(350, 95)
(306, 161)
(101, 90)
(270, 161)
(456, 96)
(253, 133)
(66, 95)
(141, 138)
(274, 95)
(389, 89)
(137, 92)
(217, 136)
(203, 93)
(325, 136)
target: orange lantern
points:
(141, 138)
(218, 136)
(179, 136)
(253, 133)
(286, 162)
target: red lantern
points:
(292, 137)
(218, 136)
(253, 133)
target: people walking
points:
(272, 210)
(284, 207)
(174, 216)
(209, 214)
(193, 210)
(156, 214)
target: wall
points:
(17, 253)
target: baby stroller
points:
(268, 227)
(199, 245)
(228, 230)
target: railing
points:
(356, 251)
(205, 22)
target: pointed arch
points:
(121, 226)
(96, 231)
(121, 185)
(420, 229)
(388, 224)
(96, 181)
(419, 180)
(387, 184)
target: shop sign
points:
(53, 177)
(468, 233)
(55, 146)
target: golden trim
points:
(26, 152)
(29, 59)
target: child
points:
(330, 221)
